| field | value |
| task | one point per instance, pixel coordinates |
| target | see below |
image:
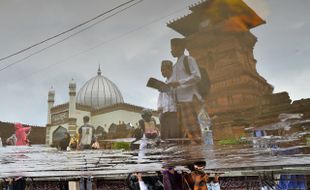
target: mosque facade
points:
(100, 99)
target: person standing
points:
(188, 98)
(86, 134)
(150, 132)
(11, 140)
(64, 143)
(166, 105)
(21, 134)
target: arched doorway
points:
(58, 134)
(100, 133)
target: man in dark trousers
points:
(166, 105)
(187, 96)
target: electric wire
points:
(102, 43)
(53, 44)
(62, 33)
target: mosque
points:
(100, 99)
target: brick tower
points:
(218, 36)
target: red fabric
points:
(21, 134)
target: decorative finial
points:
(51, 95)
(99, 71)
(72, 85)
(51, 90)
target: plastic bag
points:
(204, 120)
(205, 125)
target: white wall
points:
(105, 120)
(79, 116)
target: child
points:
(148, 125)
(149, 130)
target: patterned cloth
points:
(188, 112)
(195, 181)
(169, 126)
(86, 133)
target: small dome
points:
(99, 92)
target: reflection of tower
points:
(218, 36)
(72, 108)
(50, 102)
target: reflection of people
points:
(148, 126)
(197, 179)
(169, 126)
(64, 143)
(21, 134)
(11, 140)
(142, 185)
(74, 141)
(136, 181)
(172, 179)
(213, 184)
(86, 134)
(187, 95)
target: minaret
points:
(72, 108)
(50, 102)
(72, 94)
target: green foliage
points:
(121, 145)
(229, 141)
(233, 141)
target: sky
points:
(129, 47)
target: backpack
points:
(203, 86)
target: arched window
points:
(99, 131)
(113, 128)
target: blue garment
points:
(213, 186)
(82, 187)
(89, 184)
(259, 133)
(292, 182)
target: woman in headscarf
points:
(21, 134)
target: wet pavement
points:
(42, 161)
(288, 153)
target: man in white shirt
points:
(166, 104)
(87, 134)
(185, 84)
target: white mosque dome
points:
(99, 92)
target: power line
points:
(103, 43)
(62, 33)
(41, 50)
